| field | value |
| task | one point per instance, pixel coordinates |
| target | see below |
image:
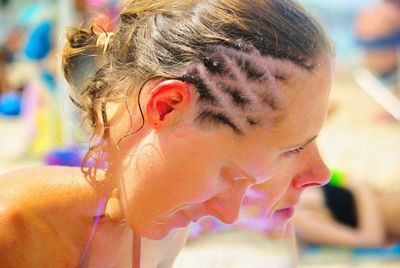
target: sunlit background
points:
(360, 142)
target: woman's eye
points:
(295, 151)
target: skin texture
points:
(40, 218)
(168, 174)
(172, 171)
(47, 216)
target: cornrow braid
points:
(232, 81)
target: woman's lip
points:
(184, 223)
(186, 215)
(189, 217)
(179, 220)
(284, 212)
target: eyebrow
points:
(304, 144)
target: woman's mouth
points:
(192, 218)
(284, 213)
(180, 220)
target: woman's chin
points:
(152, 233)
(155, 235)
(157, 232)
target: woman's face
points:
(173, 176)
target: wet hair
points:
(226, 49)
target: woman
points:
(190, 104)
(352, 215)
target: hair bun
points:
(82, 55)
(103, 40)
(79, 38)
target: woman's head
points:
(224, 88)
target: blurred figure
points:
(3, 77)
(13, 44)
(4, 3)
(377, 30)
(8, 53)
(351, 215)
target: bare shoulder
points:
(42, 174)
(28, 240)
(43, 216)
(9, 236)
(47, 188)
(9, 219)
(38, 174)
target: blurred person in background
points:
(3, 75)
(377, 31)
(352, 214)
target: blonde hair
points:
(157, 38)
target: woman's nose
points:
(313, 172)
(226, 205)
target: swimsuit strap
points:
(389, 41)
(136, 249)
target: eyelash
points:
(297, 150)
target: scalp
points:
(236, 87)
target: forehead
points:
(306, 94)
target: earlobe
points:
(167, 100)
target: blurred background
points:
(360, 141)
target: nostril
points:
(312, 184)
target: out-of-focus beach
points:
(359, 137)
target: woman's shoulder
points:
(46, 183)
(41, 174)
(38, 172)
(59, 192)
(42, 189)
(44, 210)
(36, 215)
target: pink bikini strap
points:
(136, 247)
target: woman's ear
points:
(166, 102)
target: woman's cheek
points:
(259, 167)
(204, 184)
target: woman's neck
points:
(109, 244)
